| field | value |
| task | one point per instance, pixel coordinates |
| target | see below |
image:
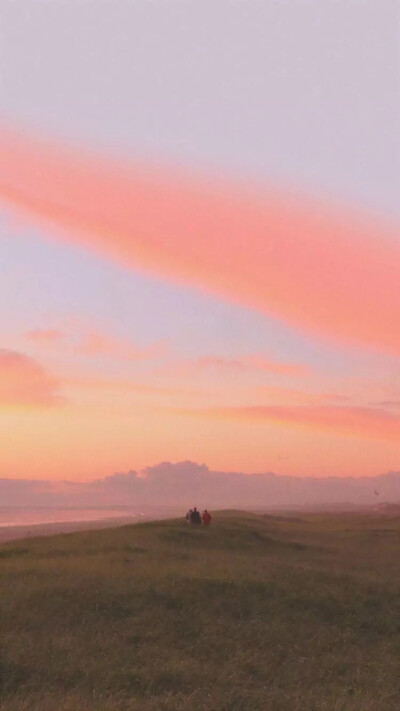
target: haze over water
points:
(13, 516)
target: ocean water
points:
(13, 516)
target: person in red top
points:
(206, 518)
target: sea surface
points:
(13, 516)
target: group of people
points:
(194, 517)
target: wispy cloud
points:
(23, 381)
(250, 362)
(45, 336)
(364, 422)
(126, 387)
(279, 395)
(323, 270)
(395, 404)
(93, 342)
(96, 343)
(217, 364)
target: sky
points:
(199, 237)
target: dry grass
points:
(253, 614)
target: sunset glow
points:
(171, 305)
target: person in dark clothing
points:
(195, 517)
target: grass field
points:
(256, 613)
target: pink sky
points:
(169, 296)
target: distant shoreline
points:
(24, 531)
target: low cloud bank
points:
(187, 483)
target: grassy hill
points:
(256, 613)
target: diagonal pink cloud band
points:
(324, 271)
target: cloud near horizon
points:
(23, 381)
(323, 270)
(183, 484)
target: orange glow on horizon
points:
(119, 405)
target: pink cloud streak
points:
(24, 382)
(93, 342)
(364, 422)
(329, 273)
(251, 362)
(299, 397)
(45, 336)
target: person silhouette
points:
(206, 518)
(195, 517)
